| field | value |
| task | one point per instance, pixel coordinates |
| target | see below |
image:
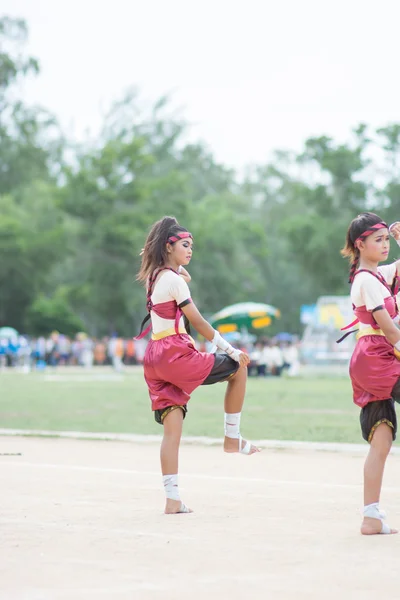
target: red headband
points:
(371, 230)
(179, 236)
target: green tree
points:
(390, 194)
(31, 225)
(31, 242)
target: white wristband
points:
(225, 346)
(397, 345)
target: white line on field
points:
(107, 592)
(276, 482)
(198, 440)
(73, 527)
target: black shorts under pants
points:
(224, 367)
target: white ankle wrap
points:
(171, 486)
(372, 511)
(232, 425)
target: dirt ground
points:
(82, 520)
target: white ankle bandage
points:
(171, 487)
(372, 511)
(232, 425)
(225, 346)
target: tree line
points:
(73, 217)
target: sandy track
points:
(82, 520)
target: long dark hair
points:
(359, 226)
(155, 248)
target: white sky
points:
(250, 75)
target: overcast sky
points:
(251, 76)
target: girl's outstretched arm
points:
(204, 328)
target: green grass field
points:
(314, 409)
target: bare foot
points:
(373, 527)
(174, 507)
(233, 444)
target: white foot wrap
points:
(246, 448)
(372, 512)
(382, 513)
(385, 528)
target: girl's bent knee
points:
(382, 451)
(240, 375)
(382, 440)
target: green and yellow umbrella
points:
(249, 315)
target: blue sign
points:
(308, 314)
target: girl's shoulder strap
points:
(395, 287)
(153, 278)
(377, 276)
(149, 304)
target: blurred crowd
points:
(268, 356)
(58, 349)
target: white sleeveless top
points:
(368, 291)
(169, 286)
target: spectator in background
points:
(39, 350)
(255, 356)
(275, 359)
(290, 354)
(116, 351)
(262, 359)
(12, 352)
(87, 355)
(51, 357)
(24, 354)
(129, 356)
(100, 352)
(64, 349)
(76, 349)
